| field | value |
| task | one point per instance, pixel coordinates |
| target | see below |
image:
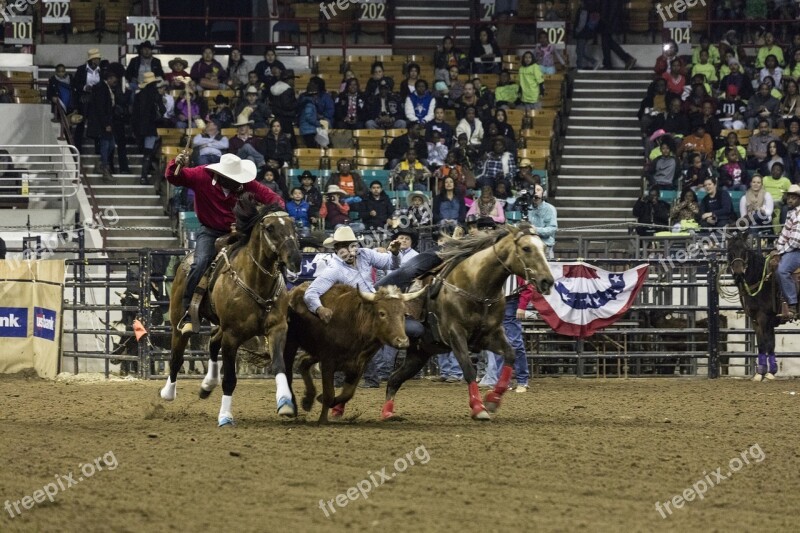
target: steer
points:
(362, 322)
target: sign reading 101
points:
(142, 29)
(19, 30)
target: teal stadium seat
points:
(293, 176)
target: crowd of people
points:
(752, 99)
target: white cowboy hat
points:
(93, 53)
(334, 189)
(344, 234)
(149, 78)
(794, 189)
(232, 167)
(244, 118)
(251, 90)
(416, 194)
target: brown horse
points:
(247, 297)
(758, 294)
(467, 314)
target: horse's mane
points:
(248, 213)
(460, 249)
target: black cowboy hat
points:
(410, 232)
(145, 44)
(308, 174)
(486, 223)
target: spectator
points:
(736, 79)
(544, 219)
(787, 248)
(409, 84)
(470, 98)
(264, 68)
(525, 178)
(488, 206)
(311, 194)
(168, 119)
(376, 207)
(500, 165)
(770, 48)
(420, 104)
(298, 208)
(651, 212)
(86, 77)
(222, 114)
(503, 127)
(472, 127)
(585, 30)
(776, 153)
(384, 110)
(531, 82)
(308, 117)
(732, 109)
(705, 46)
(776, 184)
(449, 208)
(675, 80)
(793, 68)
(698, 142)
(334, 211)
(454, 89)
(507, 92)
(790, 105)
(399, 146)
(252, 81)
(438, 125)
(376, 80)
(705, 68)
(419, 212)
(140, 65)
(350, 107)
(208, 72)
(687, 208)
(762, 106)
(772, 70)
(211, 144)
(546, 53)
(451, 169)
(326, 108)
(410, 174)
(757, 146)
(271, 182)
(244, 145)
(733, 175)
(60, 91)
(716, 208)
(757, 204)
(665, 169)
(698, 171)
(653, 106)
(610, 18)
(239, 70)
(437, 151)
(177, 73)
(277, 147)
(791, 139)
(182, 107)
(675, 121)
(148, 108)
(484, 53)
(467, 154)
(696, 95)
(348, 75)
(101, 115)
(446, 57)
(282, 101)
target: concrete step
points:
(610, 206)
(615, 76)
(604, 180)
(579, 157)
(608, 93)
(589, 168)
(617, 140)
(596, 112)
(138, 232)
(140, 211)
(126, 191)
(610, 127)
(142, 242)
(568, 189)
(112, 200)
(142, 221)
(626, 152)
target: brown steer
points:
(361, 324)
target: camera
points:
(523, 202)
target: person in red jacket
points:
(216, 189)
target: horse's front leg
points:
(230, 344)
(179, 342)
(762, 343)
(457, 338)
(497, 343)
(283, 393)
(769, 341)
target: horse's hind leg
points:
(229, 346)
(176, 362)
(413, 363)
(211, 380)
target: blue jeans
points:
(107, 146)
(380, 366)
(204, 253)
(790, 261)
(248, 152)
(513, 329)
(583, 59)
(448, 366)
(207, 159)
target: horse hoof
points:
(337, 411)
(286, 408)
(167, 395)
(481, 415)
(204, 394)
(225, 420)
(492, 401)
(770, 376)
(307, 403)
(388, 410)
(757, 378)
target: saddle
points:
(226, 241)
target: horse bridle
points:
(528, 271)
(268, 241)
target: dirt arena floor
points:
(570, 455)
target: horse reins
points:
(528, 271)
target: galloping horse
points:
(247, 297)
(467, 314)
(758, 294)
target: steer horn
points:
(367, 296)
(411, 295)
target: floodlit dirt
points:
(569, 455)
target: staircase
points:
(601, 168)
(410, 37)
(142, 222)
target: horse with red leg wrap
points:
(467, 313)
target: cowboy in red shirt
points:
(216, 190)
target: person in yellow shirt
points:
(769, 48)
(531, 81)
(705, 68)
(705, 45)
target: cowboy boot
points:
(761, 367)
(787, 314)
(147, 160)
(772, 366)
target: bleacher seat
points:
(293, 176)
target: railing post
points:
(144, 312)
(713, 317)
